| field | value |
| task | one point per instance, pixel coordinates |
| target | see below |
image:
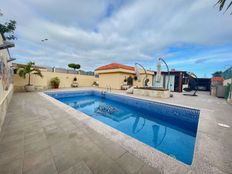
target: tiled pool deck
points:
(39, 137)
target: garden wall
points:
(44, 83)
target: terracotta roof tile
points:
(217, 79)
(115, 66)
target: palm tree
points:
(23, 70)
(221, 4)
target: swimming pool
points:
(170, 129)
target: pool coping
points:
(149, 155)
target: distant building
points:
(115, 75)
(177, 80)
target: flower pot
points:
(29, 88)
(55, 86)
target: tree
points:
(217, 74)
(7, 29)
(74, 66)
(23, 70)
(221, 4)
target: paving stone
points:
(13, 167)
(33, 128)
(33, 132)
(33, 159)
(50, 127)
(8, 156)
(80, 168)
(112, 149)
(148, 170)
(9, 132)
(34, 138)
(46, 167)
(9, 146)
(12, 138)
(74, 133)
(130, 163)
(65, 160)
(34, 147)
(56, 135)
(98, 162)
(47, 122)
(115, 169)
(63, 147)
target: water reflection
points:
(156, 134)
(135, 125)
(81, 104)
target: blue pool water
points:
(168, 128)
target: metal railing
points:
(108, 88)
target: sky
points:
(191, 35)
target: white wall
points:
(5, 95)
(225, 82)
(161, 83)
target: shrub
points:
(55, 82)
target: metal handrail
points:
(108, 88)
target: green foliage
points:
(55, 82)
(23, 70)
(221, 4)
(74, 66)
(8, 28)
(217, 74)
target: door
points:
(171, 82)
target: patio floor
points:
(37, 137)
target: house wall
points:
(44, 83)
(5, 95)
(116, 79)
(140, 84)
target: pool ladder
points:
(108, 89)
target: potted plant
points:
(28, 69)
(74, 83)
(55, 82)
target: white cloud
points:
(89, 33)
